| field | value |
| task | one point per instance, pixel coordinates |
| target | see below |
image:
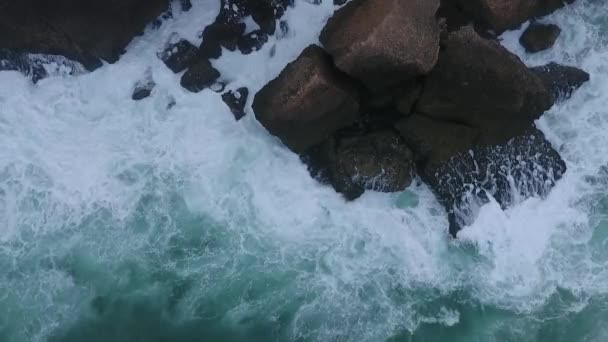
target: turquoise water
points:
(124, 221)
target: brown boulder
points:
(383, 42)
(85, 31)
(477, 82)
(307, 102)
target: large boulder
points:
(383, 42)
(463, 172)
(307, 102)
(479, 83)
(502, 15)
(85, 31)
(539, 37)
(561, 80)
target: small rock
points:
(143, 88)
(236, 101)
(199, 76)
(179, 56)
(385, 42)
(307, 102)
(252, 41)
(562, 80)
(539, 37)
(218, 35)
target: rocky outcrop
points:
(94, 30)
(561, 80)
(307, 102)
(385, 42)
(494, 92)
(539, 37)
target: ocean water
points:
(132, 221)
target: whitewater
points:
(167, 220)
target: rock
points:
(434, 142)
(407, 97)
(378, 161)
(561, 80)
(454, 17)
(94, 30)
(384, 42)
(502, 15)
(499, 15)
(186, 5)
(143, 88)
(236, 100)
(142, 91)
(307, 102)
(462, 171)
(199, 76)
(493, 92)
(12, 61)
(252, 41)
(546, 7)
(220, 34)
(526, 166)
(539, 37)
(179, 56)
(228, 28)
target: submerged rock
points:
(561, 80)
(200, 76)
(494, 92)
(179, 56)
(539, 37)
(385, 42)
(12, 61)
(84, 31)
(236, 100)
(462, 171)
(307, 102)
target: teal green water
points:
(131, 222)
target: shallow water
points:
(129, 221)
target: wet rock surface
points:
(383, 43)
(307, 102)
(539, 37)
(561, 80)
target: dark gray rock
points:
(179, 56)
(84, 31)
(462, 171)
(561, 80)
(199, 76)
(236, 100)
(539, 37)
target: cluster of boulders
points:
(406, 88)
(398, 89)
